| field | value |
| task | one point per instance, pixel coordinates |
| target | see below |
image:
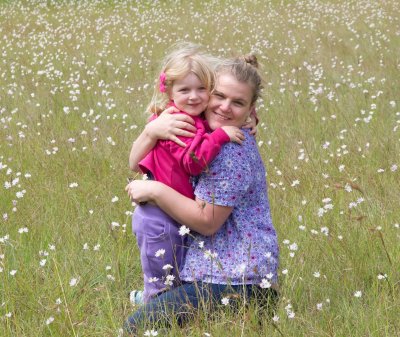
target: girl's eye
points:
(238, 103)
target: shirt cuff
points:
(221, 136)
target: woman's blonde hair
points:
(245, 70)
(184, 59)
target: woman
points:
(235, 246)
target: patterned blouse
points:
(245, 249)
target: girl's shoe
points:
(136, 297)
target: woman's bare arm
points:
(198, 215)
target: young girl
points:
(185, 84)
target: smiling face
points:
(230, 102)
(190, 95)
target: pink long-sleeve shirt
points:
(173, 165)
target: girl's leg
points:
(156, 232)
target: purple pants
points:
(156, 230)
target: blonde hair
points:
(245, 70)
(186, 58)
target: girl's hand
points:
(251, 123)
(140, 191)
(168, 126)
(234, 133)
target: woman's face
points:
(230, 102)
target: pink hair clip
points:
(162, 82)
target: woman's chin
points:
(214, 125)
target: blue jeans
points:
(181, 303)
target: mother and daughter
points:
(232, 249)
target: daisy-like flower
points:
(295, 183)
(169, 280)
(110, 277)
(114, 199)
(357, 293)
(183, 230)
(225, 300)
(291, 314)
(160, 253)
(74, 281)
(382, 276)
(265, 284)
(167, 267)
(49, 320)
(269, 276)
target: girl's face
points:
(190, 95)
(230, 102)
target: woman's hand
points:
(168, 126)
(140, 191)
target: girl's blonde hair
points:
(184, 59)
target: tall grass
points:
(75, 78)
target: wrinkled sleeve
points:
(228, 179)
(202, 151)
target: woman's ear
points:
(253, 113)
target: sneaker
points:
(136, 297)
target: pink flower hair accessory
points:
(162, 82)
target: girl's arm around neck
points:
(200, 216)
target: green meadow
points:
(75, 80)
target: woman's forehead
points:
(230, 86)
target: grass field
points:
(75, 78)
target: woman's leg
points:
(180, 304)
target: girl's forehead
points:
(189, 77)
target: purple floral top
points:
(245, 249)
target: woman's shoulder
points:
(233, 156)
(247, 148)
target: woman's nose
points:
(225, 106)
